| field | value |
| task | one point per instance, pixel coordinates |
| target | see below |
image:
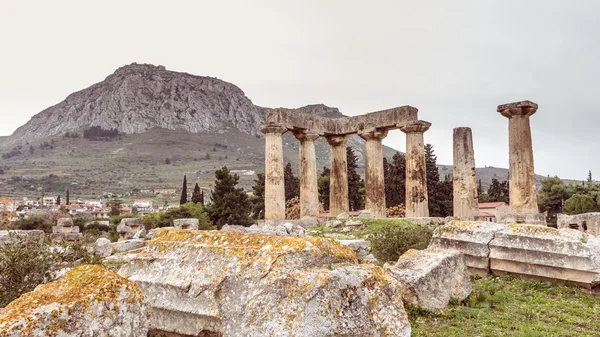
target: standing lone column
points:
(338, 181)
(464, 180)
(274, 185)
(374, 178)
(522, 193)
(309, 191)
(417, 204)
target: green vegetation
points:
(395, 180)
(258, 197)
(510, 307)
(186, 211)
(390, 238)
(439, 191)
(230, 205)
(43, 222)
(556, 197)
(497, 192)
(355, 183)
(184, 197)
(323, 185)
(291, 183)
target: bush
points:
(398, 211)
(390, 239)
(188, 210)
(36, 222)
(25, 264)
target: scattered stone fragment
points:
(127, 245)
(343, 216)
(154, 230)
(141, 234)
(191, 224)
(103, 247)
(236, 284)
(89, 300)
(128, 227)
(431, 277)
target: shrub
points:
(186, 211)
(35, 222)
(25, 264)
(390, 239)
(398, 211)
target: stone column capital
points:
(522, 108)
(416, 127)
(305, 135)
(373, 134)
(267, 128)
(337, 140)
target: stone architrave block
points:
(236, 284)
(191, 224)
(127, 245)
(540, 252)
(432, 277)
(89, 300)
(469, 237)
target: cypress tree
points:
(197, 195)
(230, 205)
(354, 181)
(58, 200)
(323, 184)
(395, 180)
(183, 199)
(258, 197)
(291, 183)
(68, 201)
(438, 193)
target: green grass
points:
(511, 307)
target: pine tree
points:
(439, 192)
(354, 198)
(184, 199)
(291, 182)
(498, 191)
(258, 197)
(197, 195)
(395, 180)
(68, 201)
(323, 182)
(230, 205)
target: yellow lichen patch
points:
(525, 229)
(235, 243)
(77, 290)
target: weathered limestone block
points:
(154, 230)
(532, 251)
(588, 222)
(65, 231)
(432, 277)
(89, 300)
(469, 237)
(141, 234)
(240, 284)
(128, 227)
(8, 237)
(103, 247)
(191, 224)
(127, 245)
(287, 228)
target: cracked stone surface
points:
(240, 284)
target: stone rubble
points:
(431, 278)
(103, 247)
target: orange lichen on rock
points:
(82, 294)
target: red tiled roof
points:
(483, 205)
(486, 214)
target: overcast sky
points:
(453, 60)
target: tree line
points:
(556, 197)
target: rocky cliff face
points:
(138, 97)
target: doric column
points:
(274, 185)
(523, 198)
(464, 180)
(309, 191)
(374, 179)
(338, 181)
(417, 204)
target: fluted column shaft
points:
(309, 191)
(338, 181)
(465, 200)
(374, 177)
(417, 204)
(522, 191)
(274, 182)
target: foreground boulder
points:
(432, 277)
(472, 238)
(238, 284)
(89, 300)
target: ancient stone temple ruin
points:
(65, 231)
(372, 127)
(465, 200)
